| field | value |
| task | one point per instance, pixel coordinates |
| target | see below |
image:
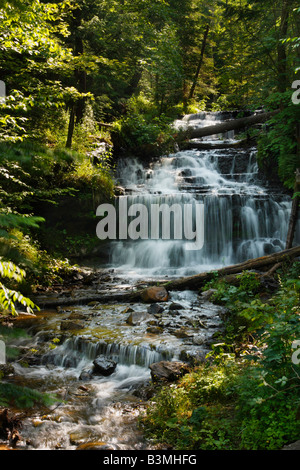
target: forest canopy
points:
(63, 60)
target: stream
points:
(245, 217)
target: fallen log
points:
(232, 124)
(191, 283)
(198, 280)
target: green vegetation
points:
(81, 74)
(247, 394)
(23, 397)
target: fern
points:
(9, 298)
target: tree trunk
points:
(192, 282)
(232, 124)
(296, 199)
(192, 91)
(294, 213)
(71, 127)
(281, 48)
(198, 280)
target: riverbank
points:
(201, 406)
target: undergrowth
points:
(246, 395)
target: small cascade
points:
(76, 352)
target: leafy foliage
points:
(247, 398)
(23, 397)
(9, 298)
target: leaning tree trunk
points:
(198, 280)
(232, 124)
(71, 127)
(192, 282)
(193, 87)
(294, 213)
(296, 200)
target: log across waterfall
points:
(245, 217)
(228, 125)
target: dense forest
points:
(85, 83)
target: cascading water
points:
(244, 218)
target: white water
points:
(243, 218)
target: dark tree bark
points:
(232, 124)
(204, 42)
(195, 282)
(77, 109)
(296, 199)
(281, 48)
(71, 127)
(192, 282)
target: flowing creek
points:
(244, 218)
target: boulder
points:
(292, 446)
(154, 294)
(103, 366)
(206, 295)
(135, 318)
(155, 309)
(168, 370)
(198, 339)
(71, 325)
(96, 446)
(176, 306)
(155, 330)
(85, 375)
(181, 333)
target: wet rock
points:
(155, 309)
(181, 333)
(135, 318)
(198, 340)
(206, 295)
(153, 323)
(6, 370)
(104, 366)
(85, 375)
(293, 446)
(10, 424)
(155, 294)
(193, 357)
(79, 437)
(77, 316)
(145, 391)
(168, 371)
(119, 191)
(155, 330)
(71, 325)
(5, 447)
(128, 310)
(96, 446)
(175, 306)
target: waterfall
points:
(77, 353)
(244, 218)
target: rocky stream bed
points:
(103, 360)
